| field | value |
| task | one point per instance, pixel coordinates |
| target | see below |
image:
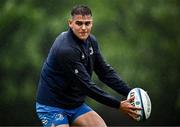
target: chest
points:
(87, 57)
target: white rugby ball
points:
(141, 100)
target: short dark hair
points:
(81, 10)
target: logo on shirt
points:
(59, 116)
(44, 121)
(83, 56)
(91, 51)
(76, 71)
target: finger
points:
(134, 113)
(133, 116)
(130, 115)
(135, 108)
(131, 99)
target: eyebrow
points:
(79, 23)
(83, 20)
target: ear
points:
(70, 23)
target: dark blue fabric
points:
(65, 79)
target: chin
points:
(83, 38)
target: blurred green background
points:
(139, 38)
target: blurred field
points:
(140, 39)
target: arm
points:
(107, 74)
(69, 60)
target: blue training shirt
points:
(65, 78)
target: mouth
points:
(83, 33)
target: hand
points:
(129, 109)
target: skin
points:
(128, 109)
(82, 31)
(81, 26)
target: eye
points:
(87, 23)
(79, 23)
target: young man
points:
(65, 79)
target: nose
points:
(83, 26)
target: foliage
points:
(140, 39)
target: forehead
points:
(82, 17)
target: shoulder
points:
(63, 46)
(63, 43)
(61, 37)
